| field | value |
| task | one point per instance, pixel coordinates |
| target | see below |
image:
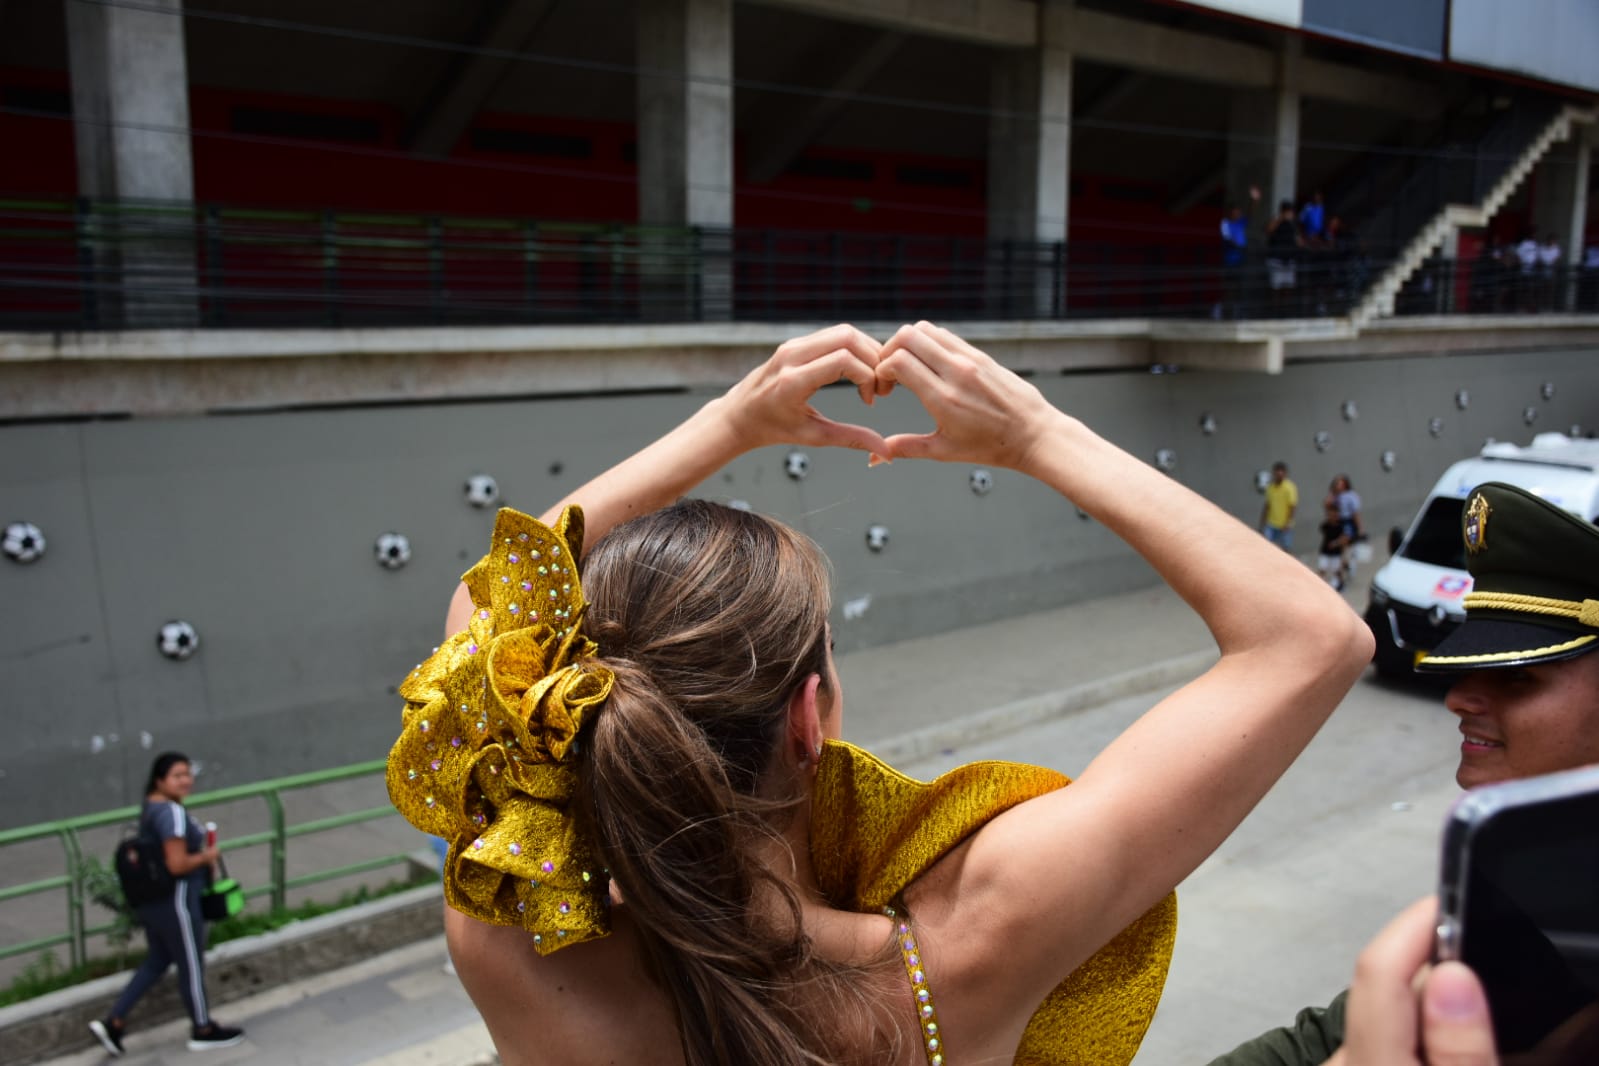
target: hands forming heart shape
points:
(984, 413)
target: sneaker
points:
(110, 1037)
(213, 1036)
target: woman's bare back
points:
(597, 1004)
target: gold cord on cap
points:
(491, 724)
(1585, 612)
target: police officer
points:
(1527, 688)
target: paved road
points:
(1269, 924)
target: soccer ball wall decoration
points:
(177, 640)
(23, 542)
(482, 490)
(393, 550)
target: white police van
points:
(1416, 596)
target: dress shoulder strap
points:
(926, 1014)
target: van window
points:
(1436, 539)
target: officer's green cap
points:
(1535, 584)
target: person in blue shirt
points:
(1313, 218)
(1234, 250)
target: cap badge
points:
(1477, 512)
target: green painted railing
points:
(276, 838)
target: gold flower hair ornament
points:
(491, 723)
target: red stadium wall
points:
(282, 151)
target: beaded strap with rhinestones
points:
(926, 1015)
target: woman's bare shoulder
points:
(593, 1003)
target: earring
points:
(818, 752)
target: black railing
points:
(107, 265)
(1498, 285)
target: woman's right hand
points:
(772, 404)
(984, 412)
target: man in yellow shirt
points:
(1277, 516)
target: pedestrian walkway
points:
(397, 1009)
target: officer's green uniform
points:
(1534, 599)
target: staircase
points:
(1379, 299)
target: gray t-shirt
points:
(165, 820)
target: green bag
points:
(223, 898)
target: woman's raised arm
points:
(771, 405)
(1063, 873)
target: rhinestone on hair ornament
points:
(511, 694)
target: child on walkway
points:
(1331, 559)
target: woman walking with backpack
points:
(173, 926)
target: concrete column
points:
(1560, 206)
(130, 109)
(1263, 145)
(685, 145)
(1449, 251)
(1029, 165)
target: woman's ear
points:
(804, 736)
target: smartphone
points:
(1518, 902)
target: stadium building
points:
(292, 294)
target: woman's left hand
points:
(772, 405)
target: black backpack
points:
(141, 864)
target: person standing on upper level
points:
(1283, 242)
(1234, 253)
(1313, 217)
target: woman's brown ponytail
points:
(710, 618)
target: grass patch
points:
(48, 974)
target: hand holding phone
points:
(1518, 903)
(1404, 1012)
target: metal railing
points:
(275, 838)
(82, 265)
(1500, 284)
(106, 265)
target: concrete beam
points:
(174, 372)
(1126, 42)
(1258, 356)
(1122, 88)
(472, 79)
(776, 140)
(1145, 46)
(1381, 92)
(1007, 23)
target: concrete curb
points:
(1023, 713)
(57, 1024)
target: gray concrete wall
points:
(258, 529)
